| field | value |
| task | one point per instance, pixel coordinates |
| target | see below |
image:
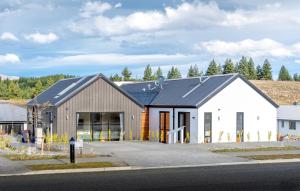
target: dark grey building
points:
(89, 108)
(13, 118)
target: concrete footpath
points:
(148, 155)
(109, 169)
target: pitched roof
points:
(67, 88)
(12, 113)
(189, 92)
(289, 112)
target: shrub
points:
(220, 135)
(228, 137)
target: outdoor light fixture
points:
(257, 118)
(132, 117)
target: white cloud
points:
(118, 5)
(186, 16)
(6, 36)
(9, 58)
(42, 38)
(94, 8)
(248, 47)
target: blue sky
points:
(43, 37)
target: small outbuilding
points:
(13, 118)
(288, 117)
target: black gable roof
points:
(189, 92)
(66, 88)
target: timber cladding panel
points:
(99, 96)
(145, 124)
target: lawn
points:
(272, 157)
(16, 157)
(287, 148)
(70, 166)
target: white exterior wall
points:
(154, 122)
(285, 129)
(259, 114)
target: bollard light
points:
(72, 150)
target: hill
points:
(282, 92)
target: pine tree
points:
(284, 74)
(50, 82)
(296, 77)
(251, 70)
(267, 70)
(212, 69)
(193, 71)
(174, 73)
(126, 74)
(158, 73)
(243, 68)
(148, 73)
(38, 88)
(228, 66)
(259, 73)
(115, 78)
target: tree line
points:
(245, 66)
(27, 88)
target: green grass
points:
(256, 149)
(17, 157)
(272, 157)
(70, 166)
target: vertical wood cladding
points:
(145, 125)
(99, 96)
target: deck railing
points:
(173, 134)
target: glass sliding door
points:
(96, 123)
(84, 128)
(114, 126)
(99, 126)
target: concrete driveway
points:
(152, 154)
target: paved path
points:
(241, 177)
(150, 154)
(11, 167)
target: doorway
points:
(184, 120)
(164, 126)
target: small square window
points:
(292, 125)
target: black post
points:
(72, 150)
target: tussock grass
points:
(282, 92)
(17, 157)
(287, 148)
(272, 157)
(70, 166)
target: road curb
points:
(127, 168)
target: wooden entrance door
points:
(164, 126)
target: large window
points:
(207, 127)
(99, 126)
(292, 125)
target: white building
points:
(289, 121)
(220, 108)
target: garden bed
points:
(70, 166)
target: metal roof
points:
(10, 113)
(188, 92)
(288, 112)
(67, 88)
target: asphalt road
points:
(240, 177)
